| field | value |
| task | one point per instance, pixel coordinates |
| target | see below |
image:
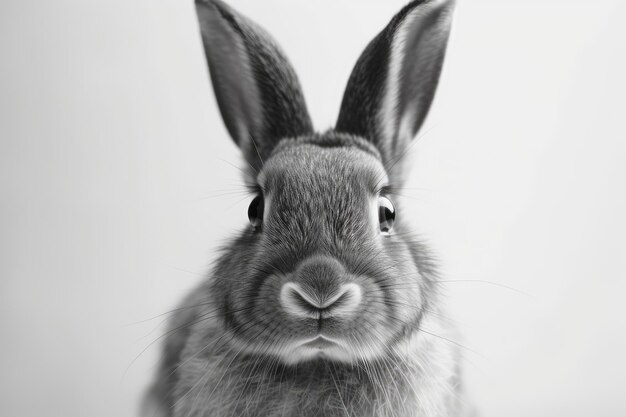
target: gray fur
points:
(394, 80)
(258, 91)
(229, 348)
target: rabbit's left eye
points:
(386, 214)
(255, 211)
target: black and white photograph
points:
(348, 208)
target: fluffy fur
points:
(232, 348)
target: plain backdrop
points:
(118, 182)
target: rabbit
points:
(325, 304)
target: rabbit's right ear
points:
(393, 82)
(257, 90)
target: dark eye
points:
(255, 211)
(386, 214)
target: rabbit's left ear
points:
(393, 83)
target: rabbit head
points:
(326, 268)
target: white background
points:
(117, 186)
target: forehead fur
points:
(328, 158)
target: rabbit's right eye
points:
(255, 211)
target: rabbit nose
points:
(305, 302)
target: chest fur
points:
(246, 387)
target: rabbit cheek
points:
(405, 286)
(408, 295)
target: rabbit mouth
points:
(319, 347)
(320, 343)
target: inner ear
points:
(231, 74)
(257, 90)
(393, 83)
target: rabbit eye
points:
(386, 214)
(255, 211)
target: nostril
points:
(297, 301)
(302, 300)
(347, 301)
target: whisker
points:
(166, 313)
